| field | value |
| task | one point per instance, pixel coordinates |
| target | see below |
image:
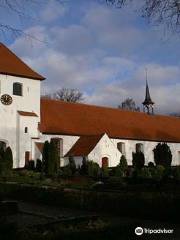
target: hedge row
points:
(159, 205)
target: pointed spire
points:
(147, 100)
(148, 103)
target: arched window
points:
(17, 89)
(26, 130)
(121, 147)
(139, 147)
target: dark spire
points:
(147, 100)
(148, 103)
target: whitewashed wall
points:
(12, 127)
(25, 139)
(108, 148)
(130, 146)
(105, 148)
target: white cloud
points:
(101, 55)
(52, 11)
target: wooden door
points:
(105, 162)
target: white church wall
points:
(10, 124)
(30, 99)
(108, 148)
(68, 141)
(105, 148)
(130, 146)
(25, 142)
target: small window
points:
(139, 147)
(26, 130)
(121, 147)
(17, 89)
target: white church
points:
(101, 134)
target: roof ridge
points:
(108, 107)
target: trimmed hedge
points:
(142, 204)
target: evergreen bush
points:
(123, 163)
(38, 165)
(105, 172)
(45, 157)
(158, 172)
(72, 164)
(31, 165)
(118, 172)
(6, 161)
(151, 165)
(50, 158)
(145, 173)
(162, 155)
(93, 169)
(84, 167)
(67, 172)
(138, 160)
(176, 173)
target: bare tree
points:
(67, 95)
(165, 12)
(22, 9)
(129, 104)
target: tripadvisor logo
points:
(139, 231)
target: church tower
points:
(148, 103)
(19, 106)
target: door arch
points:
(105, 162)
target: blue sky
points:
(100, 50)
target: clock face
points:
(6, 99)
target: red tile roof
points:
(84, 145)
(29, 114)
(58, 117)
(10, 64)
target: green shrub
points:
(72, 164)
(121, 169)
(93, 169)
(8, 157)
(84, 167)
(123, 163)
(114, 182)
(162, 155)
(45, 157)
(158, 172)
(105, 172)
(50, 156)
(53, 159)
(38, 165)
(151, 165)
(67, 172)
(176, 173)
(138, 160)
(30, 165)
(6, 161)
(118, 172)
(145, 173)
